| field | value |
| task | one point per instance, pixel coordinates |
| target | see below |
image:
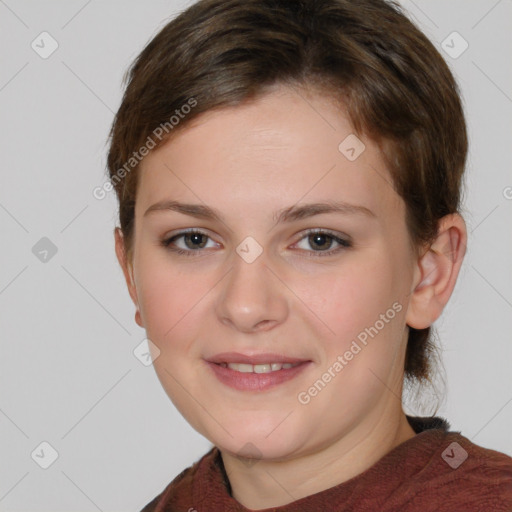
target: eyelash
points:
(345, 244)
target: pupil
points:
(195, 237)
(319, 239)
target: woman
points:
(289, 176)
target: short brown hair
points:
(367, 55)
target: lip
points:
(255, 381)
(237, 357)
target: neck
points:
(270, 483)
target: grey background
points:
(68, 375)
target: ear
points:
(436, 272)
(127, 267)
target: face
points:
(271, 275)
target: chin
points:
(255, 442)
(253, 452)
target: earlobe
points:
(127, 268)
(436, 273)
(138, 318)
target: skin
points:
(249, 162)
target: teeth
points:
(262, 368)
(244, 368)
(258, 368)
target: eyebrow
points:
(289, 214)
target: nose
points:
(252, 298)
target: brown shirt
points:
(435, 471)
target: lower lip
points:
(255, 381)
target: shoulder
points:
(474, 460)
(468, 476)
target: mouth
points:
(255, 372)
(258, 368)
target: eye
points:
(193, 241)
(187, 242)
(323, 241)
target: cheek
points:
(353, 297)
(169, 300)
(364, 311)
(362, 305)
(172, 307)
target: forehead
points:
(287, 146)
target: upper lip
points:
(237, 357)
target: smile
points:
(258, 368)
(256, 377)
